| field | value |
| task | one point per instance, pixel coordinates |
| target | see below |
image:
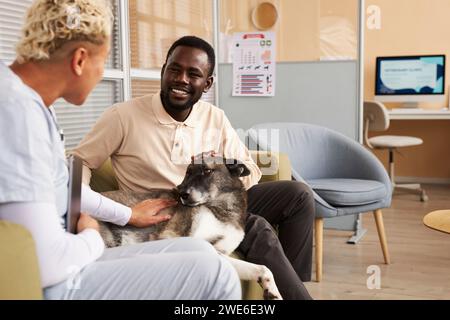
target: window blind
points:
(76, 121)
(141, 88)
(12, 14)
(115, 58)
(156, 24)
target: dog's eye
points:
(207, 171)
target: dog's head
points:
(210, 178)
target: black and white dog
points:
(212, 204)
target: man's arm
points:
(100, 143)
(233, 147)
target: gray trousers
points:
(181, 269)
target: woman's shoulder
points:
(25, 125)
(13, 89)
(25, 115)
(27, 153)
(17, 99)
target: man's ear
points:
(209, 83)
(162, 70)
(237, 168)
(78, 61)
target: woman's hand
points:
(144, 214)
(86, 222)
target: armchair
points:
(277, 167)
(346, 178)
(19, 271)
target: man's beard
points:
(166, 102)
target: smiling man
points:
(184, 78)
(151, 139)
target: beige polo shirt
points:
(149, 149)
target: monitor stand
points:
(410, 105)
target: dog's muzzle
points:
(186, 199)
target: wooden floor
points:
(420, 257)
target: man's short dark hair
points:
(195, 42)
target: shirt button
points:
(177, 144)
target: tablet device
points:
(74, 198)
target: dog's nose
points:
(184, 195)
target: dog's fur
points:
(212, 205)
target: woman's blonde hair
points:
(50, 24)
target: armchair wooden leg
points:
(318, 234)
(381, 234)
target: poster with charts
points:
(254, 64)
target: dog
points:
(211, 205)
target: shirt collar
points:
(165, 119)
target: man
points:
(151, 140)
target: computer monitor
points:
(410, 79)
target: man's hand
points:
(144, 214)
(86, 222)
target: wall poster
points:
(254, 64)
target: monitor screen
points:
(410, 75)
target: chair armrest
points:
(359, 163)
(104, 179)
(19, 269)
(274, 166)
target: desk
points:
(433, 127)
(419, 114)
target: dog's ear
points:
(237, 168)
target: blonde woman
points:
(61, 55)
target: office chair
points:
(345, 177)
(376, 118)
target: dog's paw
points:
(271, 296)
(267, 282)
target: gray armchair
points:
(346, 178)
